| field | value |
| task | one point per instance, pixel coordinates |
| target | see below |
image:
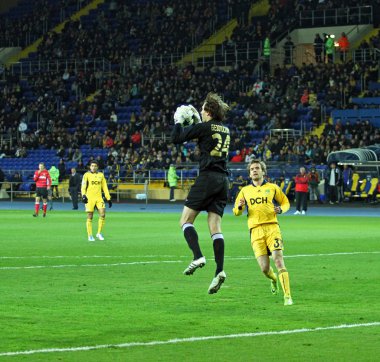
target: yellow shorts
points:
(98, 202)
(265, 239)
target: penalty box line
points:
(189, 340)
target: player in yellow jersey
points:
(263, 201)
(93, 183)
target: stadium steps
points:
(367, 37)
(208, 46)
(58, 29)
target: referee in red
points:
(43, 183)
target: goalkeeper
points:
(93, 183)
(210, 190)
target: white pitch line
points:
(87, 256)
(190, 339)
(61, 256)
(171, 256)
(163, 261)
(87, 265)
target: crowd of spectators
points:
(55, 119)
(282, 17)
(276, 105)
(134, 29)
(35, 20)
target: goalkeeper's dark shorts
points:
(209, 193)
(42, 192)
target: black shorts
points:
(209, 193)
(42, 192)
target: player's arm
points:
(48, 180)
(36, 176)
(181, 134)
(239, 204)
(282, 201)
(105, 189)
(84, 187)
(84, 184)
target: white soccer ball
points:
(186, 115)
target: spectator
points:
(74, 187)
(77, 156)
(333, 177)
(61, 151)
(329, 48)
(21, 152)
(136, 140)
(347, 174)
(344, 46)
(81, 168)
(54, 175)
(16, 181)
(61, 169)
(288, 48)
(305, 98)
(318, 48)
(112, 181)
(313, 177)
(172, 180)
(301, 190)
(237, 157)
(112, 124)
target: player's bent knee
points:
(279, 262)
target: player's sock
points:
(44, 207)
(191, 237)
(218, 243)
(37, 207)
(271, 274)
(89, 227)
(283, 275)
(101, 223)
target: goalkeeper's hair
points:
(214, 105)
(262, 164)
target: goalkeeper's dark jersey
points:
(213, 141)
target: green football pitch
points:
(126, 299)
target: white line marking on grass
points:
(190, 339)
(86, 256)
(61, 256)
(157, 261)
(86, 265)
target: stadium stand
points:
(143, 92)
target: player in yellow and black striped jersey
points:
(93, 184)
(264, 201)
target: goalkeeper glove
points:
(197, 117)
(84, 199)
(178, 115)
(109, 203)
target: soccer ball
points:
(186, 115)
